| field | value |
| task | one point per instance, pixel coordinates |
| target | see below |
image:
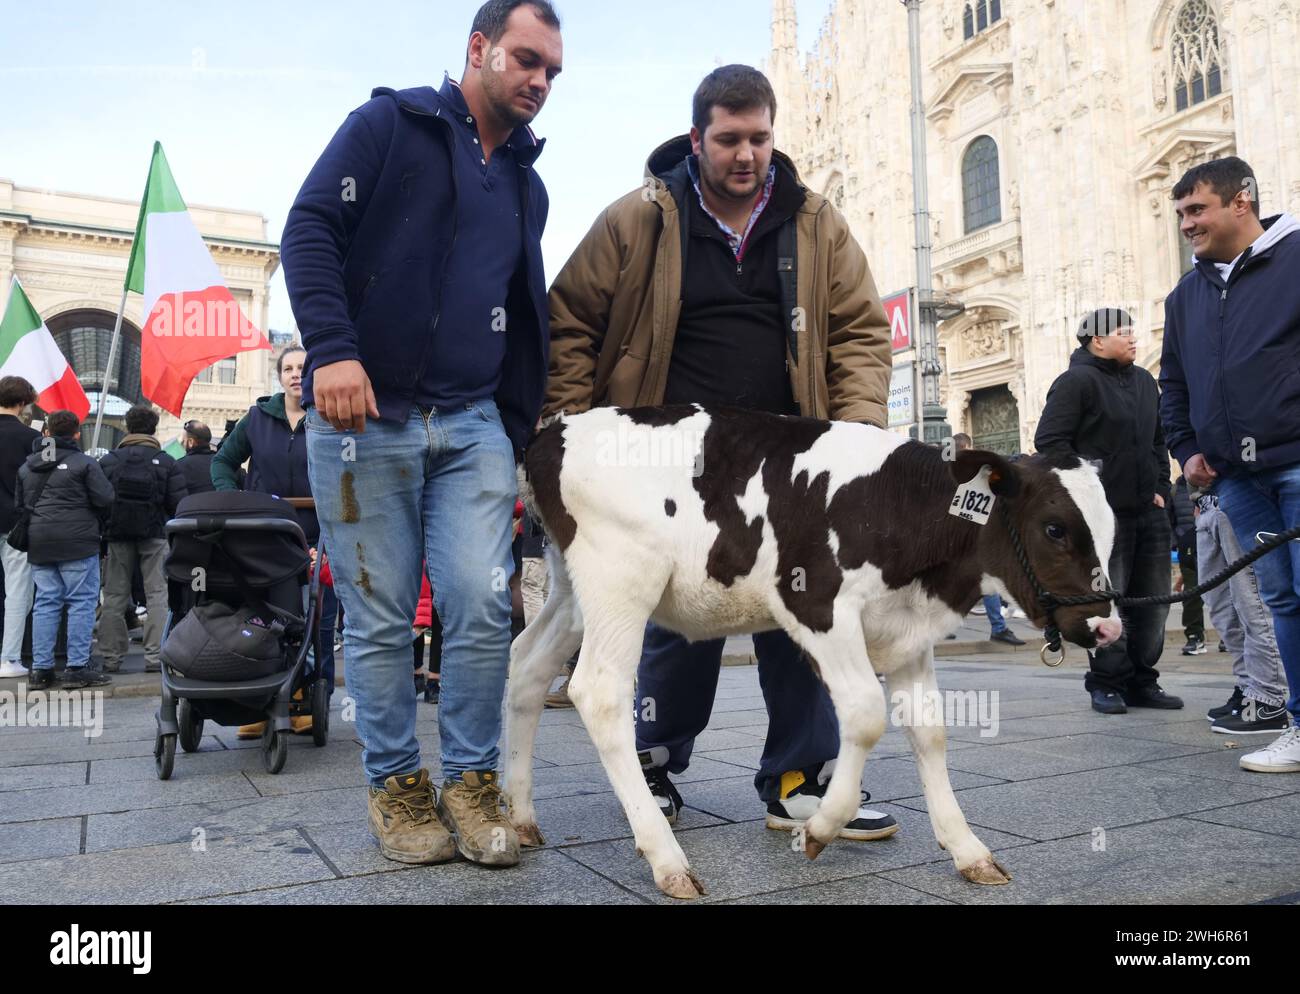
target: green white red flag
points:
(27, 349)
(192, 319)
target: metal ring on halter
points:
(1042, 654)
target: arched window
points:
(1197, 61)
(980, 16)
(84, 337)
(981, 196)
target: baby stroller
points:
(236, 642)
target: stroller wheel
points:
(275, 748)
(164, 755)
(191, 726)
(320, 712)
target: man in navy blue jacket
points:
(413, 262)
(1230, 376)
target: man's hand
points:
(1158, 501)
(1198, 472)
(343, 395)
(1178, 584)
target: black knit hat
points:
(1104, 321)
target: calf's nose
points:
(1107, 630)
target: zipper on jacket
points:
(455, 233)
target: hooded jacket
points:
(68, 514)
(615, 305)
(169, 481)
(1100, 409)
(276, 455)
(1230, 366)
(366, 245)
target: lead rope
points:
(1050, 602)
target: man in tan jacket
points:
(723, 281)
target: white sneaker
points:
(9, 670)
(1282, 756)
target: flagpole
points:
(103, 387)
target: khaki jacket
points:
(615, 306)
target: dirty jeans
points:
(1269, 501)
(439, 488)
(1242, 620)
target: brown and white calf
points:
(722, 522)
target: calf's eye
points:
(1056, 532)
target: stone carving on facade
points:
(983, 339)
(949, 23)
(1160, 88)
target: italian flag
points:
(27, 349)
(192, 318)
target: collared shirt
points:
(469, 346)
(737, 240)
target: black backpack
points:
(138, 498)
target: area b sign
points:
(898, 308)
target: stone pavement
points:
(1148, 807)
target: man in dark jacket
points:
(148, 485)
(16, 442)
(413, 261)
(196, 464)
(1231, 389)
(1106, 407)
(68, 497)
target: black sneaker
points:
(1254, 718)
(83, 676)
(40, 679)
(1108, 702)
(1152, 697)
(1222, 647)
(800, 796)
(431, 688)
(1195, 647)
(1007, 636)
(419, 684)
(665, 794)
(1232, 707)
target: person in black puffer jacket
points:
(1106, 407)
(148, 484)
(68, 498)
(196, 464)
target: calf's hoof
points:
(812, 846)
(987, 871)
(530, 836)
(685, 886)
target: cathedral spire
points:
(785, 27)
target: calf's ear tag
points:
(973, 500)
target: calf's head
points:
(1067, 529)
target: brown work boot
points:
(404, 820)
(559, 697)
(472, 809)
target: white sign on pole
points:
(901, 396)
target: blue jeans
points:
(439, 488)
(74, 583)
(1270, 501)
(993, 608)
(681, 678)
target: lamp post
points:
(933, 418)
